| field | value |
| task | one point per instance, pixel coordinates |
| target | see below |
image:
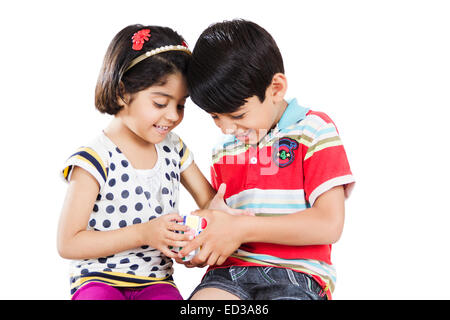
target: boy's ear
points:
(278, 87)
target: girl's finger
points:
(179, 236)
(178, 227)
(177, 244)
(168, 252)
(173, 217)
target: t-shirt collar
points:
(293, 114)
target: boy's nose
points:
(227, 127)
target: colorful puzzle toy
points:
(197, 225)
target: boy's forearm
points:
(308, 227)
(321, 224)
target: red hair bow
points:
(139, 38)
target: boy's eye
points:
(238, 116)
(214, 116)
(180, 107)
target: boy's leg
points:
(220, 284)
(213, 294)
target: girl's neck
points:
(119, 133)
(142, 154)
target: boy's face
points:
(252, 121)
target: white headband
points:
(156, 51)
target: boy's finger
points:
(201, 213)
(191, 246)
(212, 260)
(222, 189)
(241, 212)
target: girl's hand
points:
(159, 233)
(218, 241)
(218, 203)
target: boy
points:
(284, 162)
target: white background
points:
(380, 69)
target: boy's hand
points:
(218, 203)
(159, 233)
(218, 241)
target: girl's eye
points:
(159, 105)
(180, 107)
(214, 116)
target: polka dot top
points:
(128, 196)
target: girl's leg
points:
(98, 291)
(160, 291)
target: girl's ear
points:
(123, 99)
(278, 87)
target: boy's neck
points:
(281, 106)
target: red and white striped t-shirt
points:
(301, 158)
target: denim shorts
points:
(263, 283)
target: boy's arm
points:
(321, 224)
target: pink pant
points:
(101, 291)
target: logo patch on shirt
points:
(283, 152)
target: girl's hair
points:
(114, 82)
(231, 62)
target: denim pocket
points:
(306, 281)
(237, 272)
(265, 273)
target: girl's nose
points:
(172, 113)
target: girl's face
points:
(155, 111)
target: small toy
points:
(197, 225)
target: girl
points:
(125, 183)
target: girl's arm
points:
(196, 184)
(75, 242)
(204, 194)
(321, 224)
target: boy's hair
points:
(114, 82)
(231, 62)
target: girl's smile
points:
(153, 112)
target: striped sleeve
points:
(88, 159)
(186, 156)
(325, 162)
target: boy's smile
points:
(252, 121)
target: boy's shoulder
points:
(312, 124)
